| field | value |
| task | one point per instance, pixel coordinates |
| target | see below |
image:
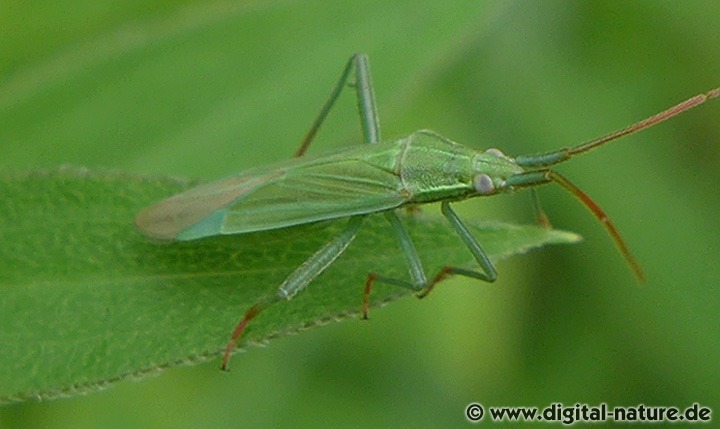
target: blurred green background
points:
(206, 89)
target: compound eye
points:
(484, 185)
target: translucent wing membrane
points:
(292, 193)
(166, 219)
(314, 192)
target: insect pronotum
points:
(380, 176)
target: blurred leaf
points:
(87, 301)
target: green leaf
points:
(85, 300)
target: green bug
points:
(377, 177)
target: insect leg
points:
(366, 100)
(298, 279)
(540, 216)
(318, 262)
(417, 273)
(420, 283)
(374, 277)
(489, 274)
(365, 97)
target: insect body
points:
(420, 168)
(377, 177)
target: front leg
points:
(419, 281)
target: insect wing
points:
(168, 219)
(326, 189)
(292, 193)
